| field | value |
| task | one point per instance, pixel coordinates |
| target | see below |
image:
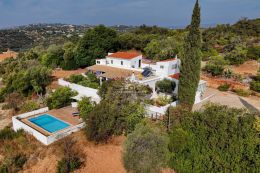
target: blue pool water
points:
(49, 123)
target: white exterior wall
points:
(127, 63)
(46, 140)
(101, 62)
(167, 68)
(83, 91)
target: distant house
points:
(8, 54)
(132, 66)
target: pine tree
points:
(191, 61)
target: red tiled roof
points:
(7, 55)
(124, 55)
(172, 59)
(175, 76)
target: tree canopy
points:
(191, 61)
(217, 139)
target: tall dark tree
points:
(191, 61)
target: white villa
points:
(48, 126)
(132, 66)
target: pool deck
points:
(64, 114)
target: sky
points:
(125, 12)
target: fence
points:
(156, 112)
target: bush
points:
(85, 106)
(255, 86)
(163, 100)
(224, 87)
(71, 159)
(165, 86)
(76, 78)
(90, 81)
(217, 139)
(8, 134)
(253, 52)
(242, 92)
(14, 164)
(237, 56)
(216, 65)
(60, 98)
(145, 149)
(67, 166)
(29, 106)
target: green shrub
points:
(13, 164)
(76, 78)
(85, 106)
(253, 52)
(29, 106)
(224, 87)
(67, 166)
(8, 134)
(216, 65)
(242, 92)
(237, 56)
(145, 149)
(163, 100)
(60, 98)
(255, 86)
(210, 53)
(165, 86)
(215, 139)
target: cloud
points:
(130, 12)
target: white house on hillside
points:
(132, 66)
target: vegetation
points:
(145, 149)
(60, 98)
(90, 81)
(119, 111)
(191, 61)
(95, 44)
(85, 106)
(24, 76)
(14, 149)
(71, 159)
(242, 92)
(165, 86)
(216, 65)
(224, 87)
(29, 106)
(224, 138)
(255, 84)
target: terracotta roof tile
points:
(175, 76)
(124, 55)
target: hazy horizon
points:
(166, 13)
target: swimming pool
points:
(49, 123)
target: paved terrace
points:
(113, 72)
(64, 114)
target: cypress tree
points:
(191, 61)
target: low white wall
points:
(64, 133)
(156, 112)
(17, 125)
(46, 140)
(86, 91)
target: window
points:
(98, 62)
(111, 61)
(174, 66)
(122, 62)
(161, 67)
